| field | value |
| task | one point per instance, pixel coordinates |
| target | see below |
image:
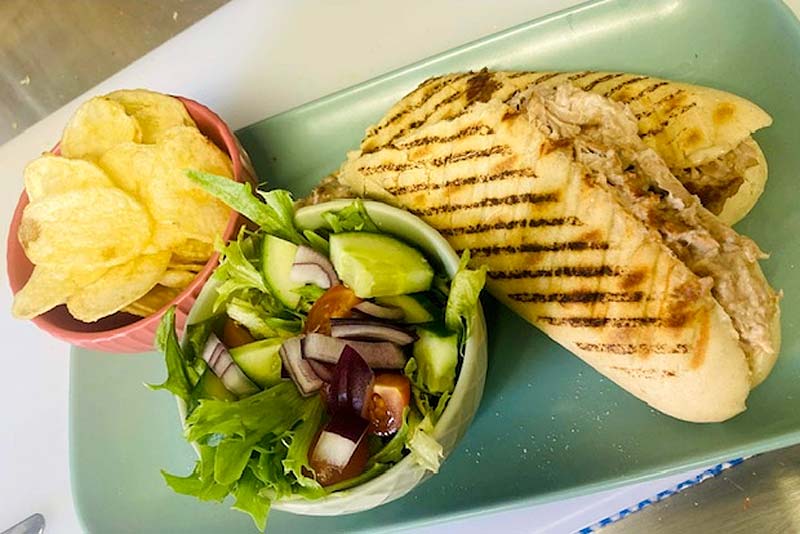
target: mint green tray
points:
(549, 427)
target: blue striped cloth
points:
(708, 473)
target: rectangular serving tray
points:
(549, 426)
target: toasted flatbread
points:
(570, 254)
(689, 126)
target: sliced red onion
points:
(339, 440)
(221, 364)
(351, 384)
(378, 355)
(301, 372)
(390, 313)
(371, 329)
(311, 267)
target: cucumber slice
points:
(277, 257)
(436, 353)
(211, 387)
(260, 361)
(417, 308)
(376, 265)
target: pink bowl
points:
(123, 332)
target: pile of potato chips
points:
(113, 222)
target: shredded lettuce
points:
(275, 213)
(463, 298)
(353, 218)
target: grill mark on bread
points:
(479, 129)
(509, 225)
(619, 86)
(644, 373)
(427, 95)
(510, 200)
(449, 100)
(608, 77)
(658, 103)
(533, 83)
(558, 246)
(578, 297)
(543, 78)
(429, 81)
(437, 162)
(579, 75)
(647, 90)
(465, 180)
(674, 114)
(634, 348)
(520, 74)
(558, 272)
(601, 322)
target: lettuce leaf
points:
(353, 218)
(425, 450)
(200, 483)
(259, 318)
(275, 213)
(317, 242)
(193, 344)
(237, 271)
(177, 381)
(268, 468)
(255, 448)
(273, 410)
(249, 501)
(392, 452)
(463, 298)
(299, 445)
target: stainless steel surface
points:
(30, 525)
(53, 50)
(761, 495)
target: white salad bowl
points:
(407, 473)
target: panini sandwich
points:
(589, 236)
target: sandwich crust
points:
(563, 251)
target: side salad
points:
(326, 357)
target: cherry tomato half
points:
(335, 302)
(234, 335)
(327, 474)
(391, 394)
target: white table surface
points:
(248, 60)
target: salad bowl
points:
(453, 422)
